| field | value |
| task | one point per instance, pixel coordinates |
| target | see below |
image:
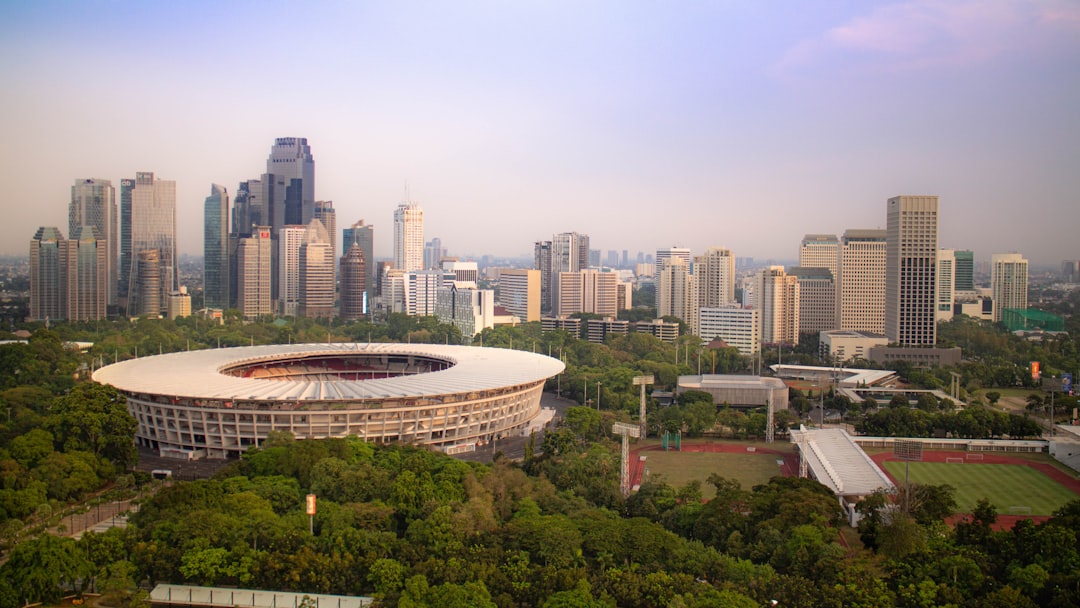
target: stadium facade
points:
(217, 403)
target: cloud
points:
(931, 33)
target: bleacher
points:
(834, 459)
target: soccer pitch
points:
(677, 468)
(1005, 485)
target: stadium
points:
(217, 403)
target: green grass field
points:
(677, 468)
(1004, 485)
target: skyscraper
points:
(663, 255)
(965, 270)
(216, 248)
(153, 227)
(324, 212)
(127, 187)
(714, 277)
(289, 240)
(353, 283)
(48, 274)
(817, 299)
(93, 203)
(1008, 282)
(289, 183)
(675, 291)
(433, 253)
(254, 272)
(820, 251)
(86, 259)
(542, 262)
(409, 237)
(519, 292)
(249, 210)
(586, 291)
(910, 279)
(861, 284)
(776, 295)
(316, 272)
(946, 285)
(363, 235)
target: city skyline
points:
(643, 127)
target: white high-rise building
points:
(409, 237)
(861, 283)
(820, 251)
(588, 291)
(316, 272)
(910, 278)
(675, 296)
(153, 227)
(667, 253)
(254, 273)
(289, 240)
(1008, 282)
(93, 203)
(776, 295)
(946, 285)
(714, 277)
(737, 326)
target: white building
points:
(253, 273)
(675, 296)
(519, 292)
(843, 345)
(714, 277)
(409, 237)
(910, 279)
(777, 297)
(469, 309)
(861, 283)
(946, 285)
(1008, 282)
(817, 299)
(588, 291)
(737, 326)
(290, 238)
(316, 272)
(820, 251)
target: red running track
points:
(790, 468)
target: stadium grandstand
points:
(832, 457)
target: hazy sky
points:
(642, 124)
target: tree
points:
(992, 397)
(39, 568)
(93, 417)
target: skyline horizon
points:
(740, 126)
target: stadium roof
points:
(198, 374)
(838, 463)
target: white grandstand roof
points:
(847, 376)
(837, 462)
(197, 374)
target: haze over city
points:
(642, 125)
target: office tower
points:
(586, 291)
(714, 277)
(353, 283)
(910, 282)
(433, 253)
(736, 326)
(421, 290)
(569, 252)
(662, 255)
(147, 290)
(675, 292)
(1008, 282)
(612, 259)
(289, 183)
(409, 237)
(817, 299)
(316, 272)
(965, 270)
(776, 295)
(87, 268)
(861, 284)
(364, 235)
(1070, 271)
(179, 303)
(289, 240)
(324, 212)
(946, 285)
(93, 203)
(519, 292)
(465, 274)
(624, 295)
(153, 227)
(216, 249)
(254, 270)
(48, 275)
(127, 187)
(625, 259)
(542, 262)
(820, 251)
(248, 207)
(469, 309)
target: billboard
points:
(1035, 373)
(1067, 383)
(311, 504)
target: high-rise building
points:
(1008, 282)
(249, 208)
(714, 277)
(565, 252)
(736, 326)
(153, 227)
(861, 284)
(465, 274)
(542, 262)
(289, 183)
(93, 203)
(363, 235)
(433, 253)
(1070, 271)
(421, 290)
(353, 283)
(910, 281)
(48, 275)
(254, 273)
(776, 295)
(316, 272)
(675, 291)
(965, 270)
(519, 292)
(216, 248)
(469, 309)
(289, 240)
(817, 299)
(127, 187)
(409, 237)
(86, 259)
(663, 255)
(946, 285)
(586, 291)
(820, 251)
(179, 303)
(324, 212)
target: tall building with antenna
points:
(408, 237)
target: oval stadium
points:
(216, 403)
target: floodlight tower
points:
(627, 431)
(643, 380)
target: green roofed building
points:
(1031, 319)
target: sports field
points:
(677, 468)
(1005, 485)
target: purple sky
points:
(642, 124)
